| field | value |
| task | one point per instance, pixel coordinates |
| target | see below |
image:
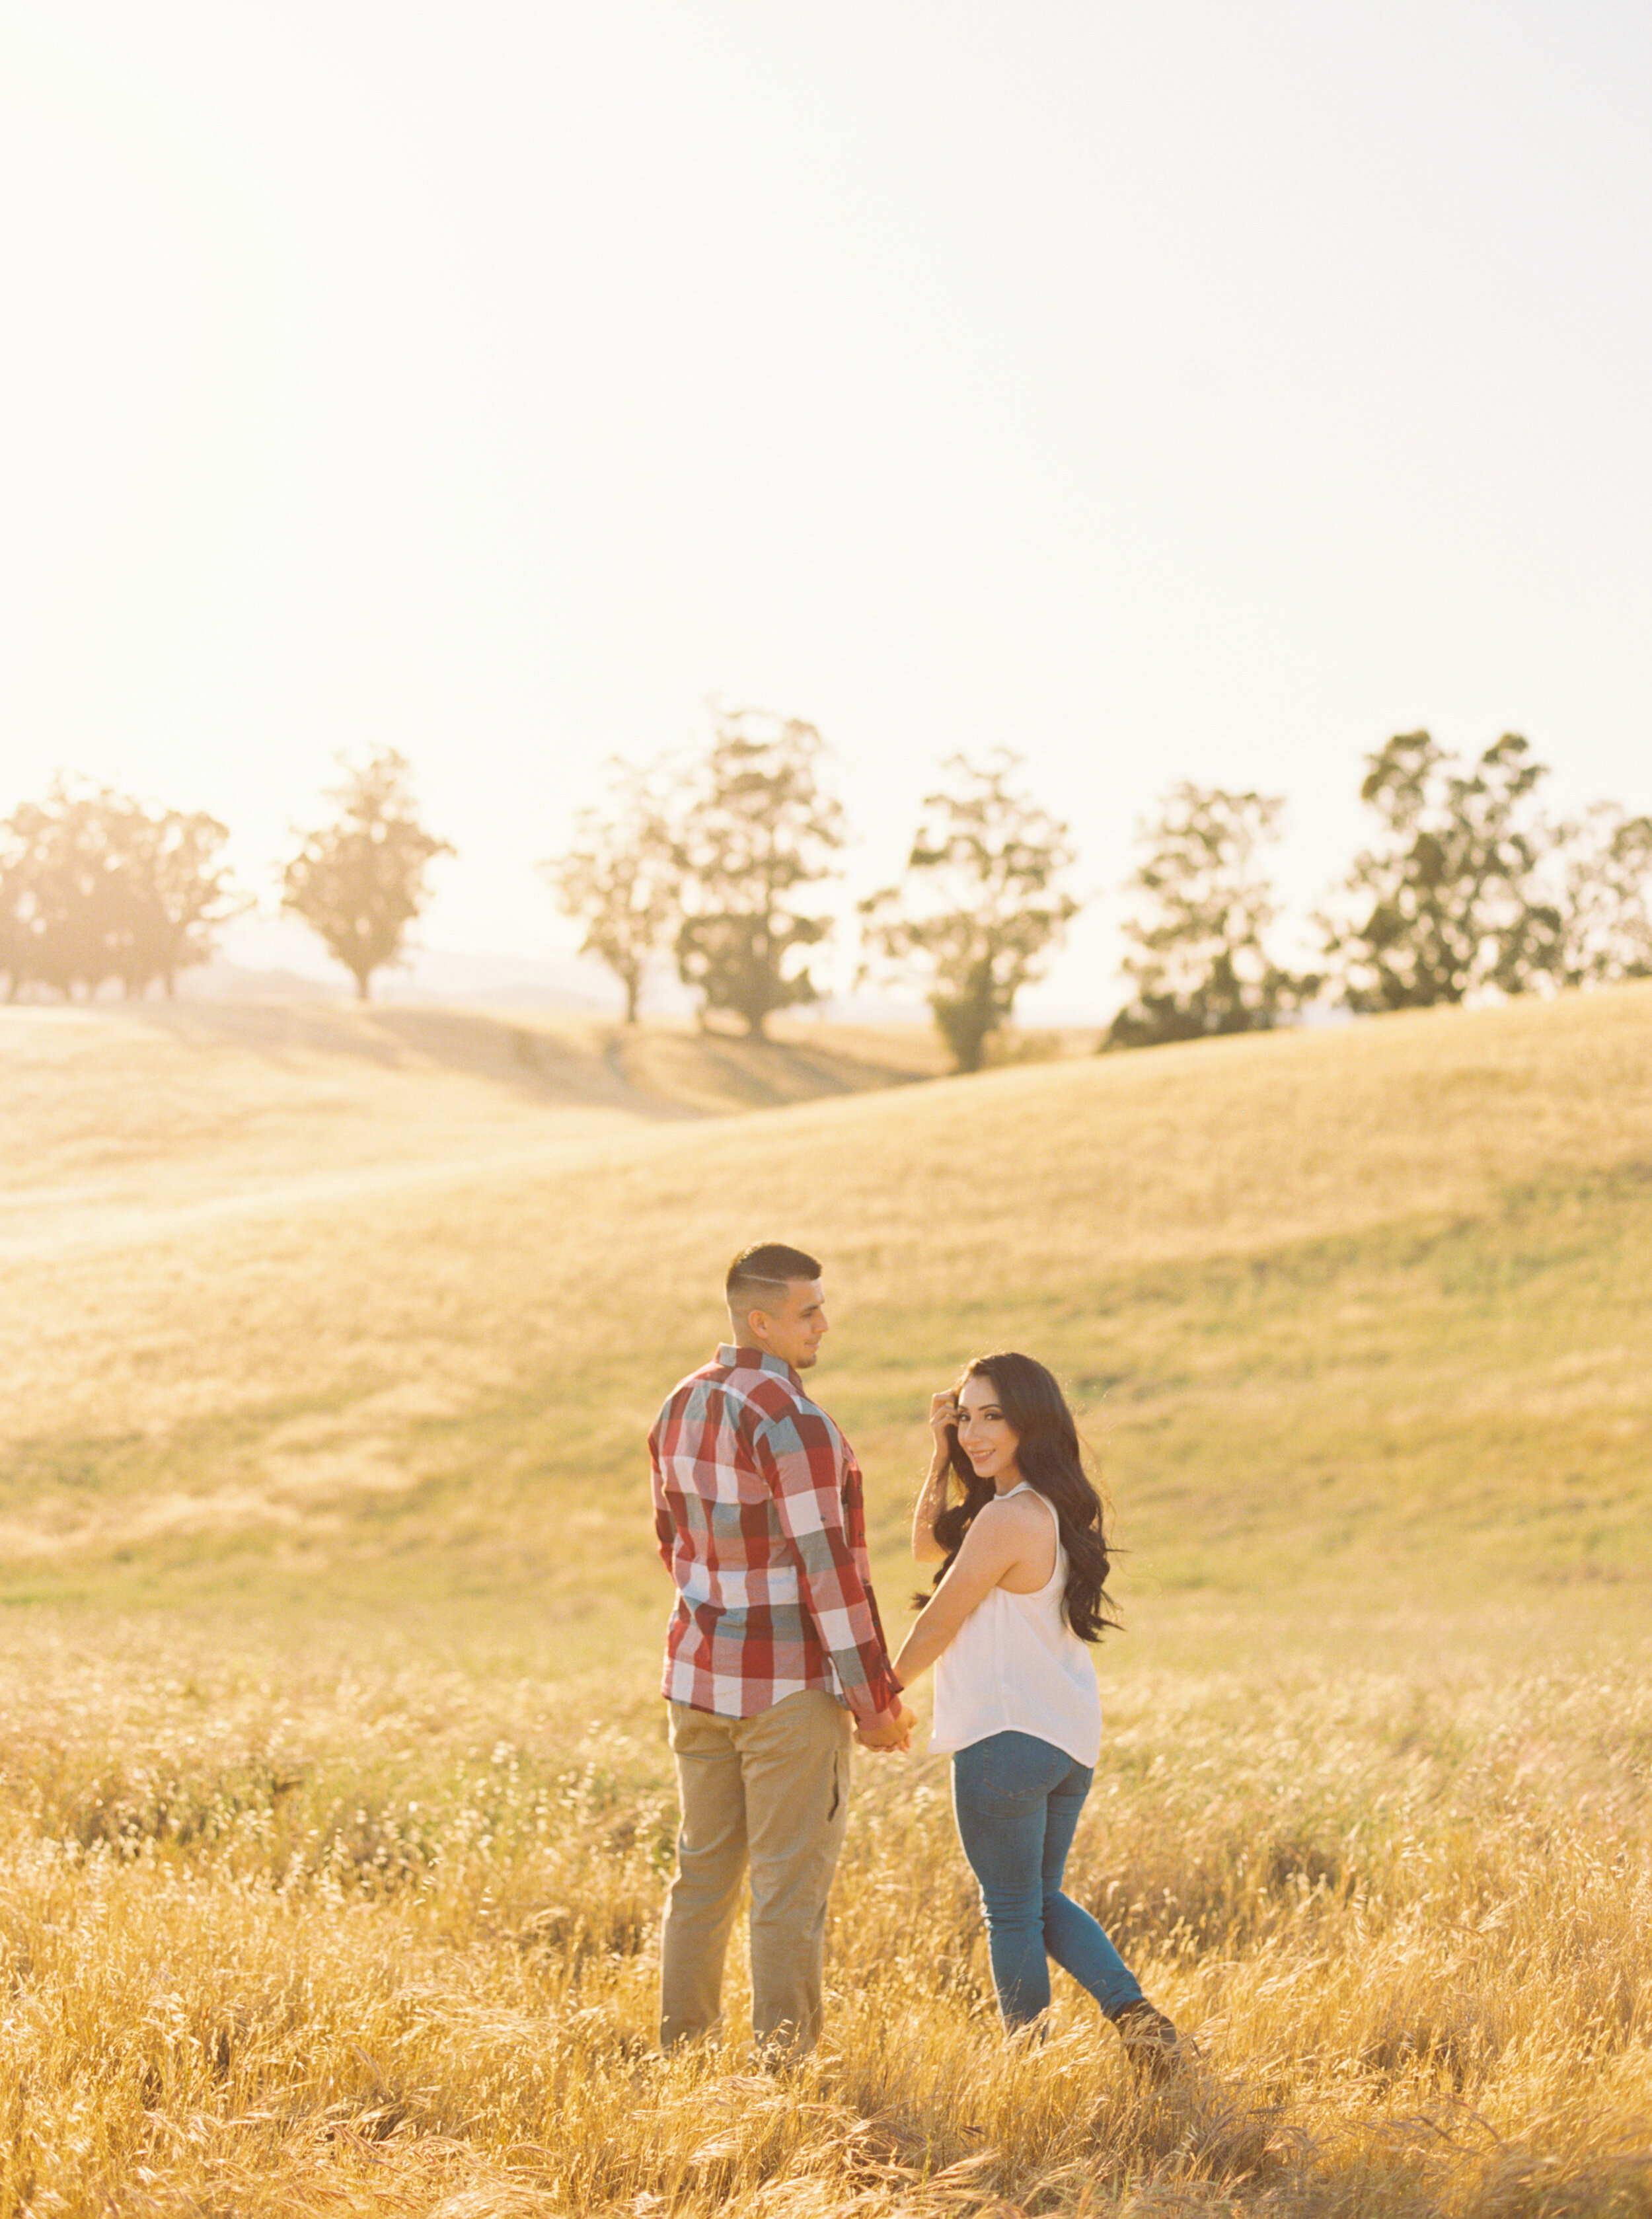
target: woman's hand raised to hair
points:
(943, 1418)
(931, 1495)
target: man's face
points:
(797, 1327)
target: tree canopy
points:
(1603, 863)
(96, 885)
(755, 829)
(621, 876)
(1468, 889)
(1198, 959)
(1449, 902)
(360, 881)
(978, 906)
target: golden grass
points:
(379, 1936)
(159, 1102)
(1358, 1207)
(334, 1808)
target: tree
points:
(756, 829)
(1199, 964)
(176, 891)
(1605, 896)
(621, 877)
(61, 895)
(15, 934)
(97, 885)
(978, 904)
(1449, 906)
(360, 882)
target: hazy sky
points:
(1162, 390)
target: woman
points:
(1021, 1589)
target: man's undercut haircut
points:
(759, 1276)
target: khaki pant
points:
(772, 1791)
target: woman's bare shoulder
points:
(1015, 1515)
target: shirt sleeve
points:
(798, 1457)
(665, 1525)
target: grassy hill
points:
(334, 1811)
(393, 1288)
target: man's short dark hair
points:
(758, 1273)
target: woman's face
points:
(985, 1438)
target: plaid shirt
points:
(758, 1512)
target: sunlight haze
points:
(1162, 391)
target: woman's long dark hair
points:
(1048, 1458)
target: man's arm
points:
(798, 1459)
(665, 1525)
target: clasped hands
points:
(896, 1734)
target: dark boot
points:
(1150, 2042)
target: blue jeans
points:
(1017, 1801)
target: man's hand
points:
(895, 1732)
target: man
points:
(774, 1646)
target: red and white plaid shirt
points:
(758, 1511)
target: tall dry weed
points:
(384, 1939)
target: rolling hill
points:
(335, 1807)
(325, 1290)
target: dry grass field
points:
(334, 1808)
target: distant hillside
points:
(202, 1096)
(1366, 1306)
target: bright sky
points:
(1166, 389)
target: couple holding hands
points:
(775, 1657)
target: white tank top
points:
(1015, 1666)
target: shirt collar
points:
(757, 1359)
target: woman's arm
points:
(1001, 1538)
(931, 1495)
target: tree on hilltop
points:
(978, 904)
(94, 886)
(1199, 962)
(360, 882)
(621, 877)
(179, 890)
(1449, 903)
(60, 890)
(1605, 892)
(755, 830)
